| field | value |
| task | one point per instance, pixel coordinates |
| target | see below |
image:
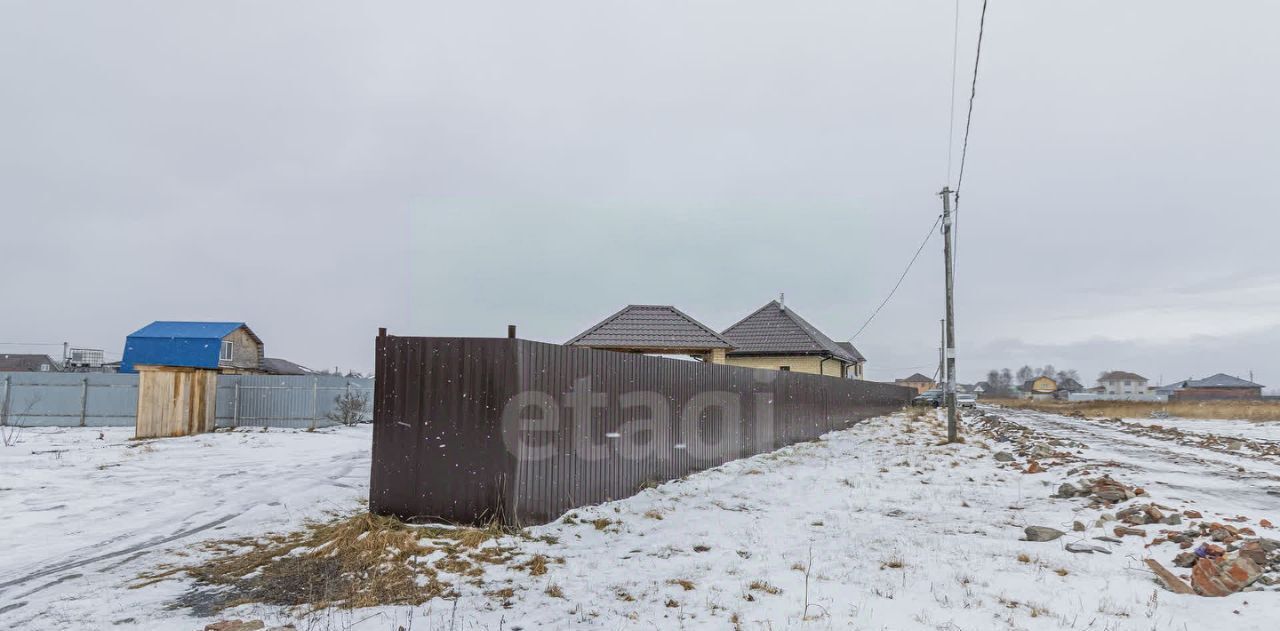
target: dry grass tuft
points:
(536, 566)
(361, 561)
(685, 583)
(893, 563)
(554, 591)
(763, 586)
(653, 513)
(1024, 558)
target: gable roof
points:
(848, 346)
(1029, 385)
(1121, 375)
(917, 378)
(190, 330)
(651, 327)
(1221, 380)
(776, 330)
(27, 363)
(170, 343)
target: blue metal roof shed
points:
(190, 344)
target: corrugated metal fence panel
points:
(437, 448)
(36, 399)
(297, 401)
(41, 399)
(468, 429)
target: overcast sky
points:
(319, 169)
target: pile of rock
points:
(1223, 557)
(1102, 490)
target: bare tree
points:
(349, 408)
(1025, 374)
(10, 432)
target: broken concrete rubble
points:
(1220, 577)
(1042, 533)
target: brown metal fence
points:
(473, 429)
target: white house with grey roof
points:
(777, 338)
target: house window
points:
(1127, 384)
(784, 368)
(226, 353)
(44, 367)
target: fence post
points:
(4, 407)
(315, 399)
(84, 400)
(235, 407)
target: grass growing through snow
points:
(361, 561)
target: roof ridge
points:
(701, 329)
(814, 337)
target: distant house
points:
(28, 363)
(655, 330)
(777, 338)
(917, 381)
(1119, 382)
(230, 347)
(1217, 387)
(1070, 385)
(277, 366)
(1041, 387)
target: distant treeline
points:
(1002, 381)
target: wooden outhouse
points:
(175, 401)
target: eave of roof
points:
(651, 327)
(776, 330)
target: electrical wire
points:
(951, 119)
(927, 236)
(968, 123)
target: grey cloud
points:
(320, 169)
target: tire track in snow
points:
(1217, 475)
(71, 565)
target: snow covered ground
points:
(874, 527)
(1268, 431)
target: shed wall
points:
(175, 401)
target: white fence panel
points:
(1089, 396)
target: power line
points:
(898, 284)
(968, 122)
(951, 119)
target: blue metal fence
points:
(36, 399)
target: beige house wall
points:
(920, 386)
(810, 364)
(246, 352)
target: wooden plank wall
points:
(175, 401)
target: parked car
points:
(932, 398)
(935, 398)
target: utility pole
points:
(950, 393)
(942, 351)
